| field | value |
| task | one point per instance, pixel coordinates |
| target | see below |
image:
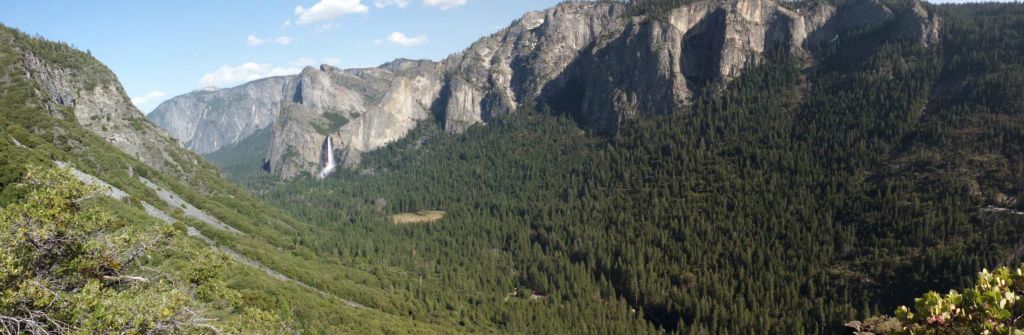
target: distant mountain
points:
(602, 62)
(207, 119)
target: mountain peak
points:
(603, 62)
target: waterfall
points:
(327, 162)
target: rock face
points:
(594, 60)
(494, 75)
(360, 109)
(921, 25)
(208, 119)
(100, 105)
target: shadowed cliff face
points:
(494, 75)
(587, 59)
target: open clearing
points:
(418, 217)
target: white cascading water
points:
(327, 158)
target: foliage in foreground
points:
(68, 265)
(992, 306)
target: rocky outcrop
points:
(494, 75)
(208, 119)
(590, 60)
(360, 109)
(100, 105)
(851, 16)
(594, 60)
(656, 66)
(918, 24)
(58, 83)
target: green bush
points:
(992, 306)
(70, 266)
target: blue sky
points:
(160, 49)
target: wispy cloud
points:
(253, 40)
(444, 4)
(327, 10)
(147, 98)
(228, 75)
(387, 3)
(398, 38)
(325, 27)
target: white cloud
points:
(399, 38)
(378, 41)
(326, 10)
(147, 98)
(287, 23)
(253, 40)
(444, 4)
(228, 75)
(325, 27)
(386, 3)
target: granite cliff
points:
(77, 82)
(361, 109)
(602, 62)
(206, 120)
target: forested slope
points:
(801, 195)
(77, 259)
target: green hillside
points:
(806, 193)
(320, 295)
(789, 201)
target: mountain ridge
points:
(214, 130)
(65, 115)
(595, 58)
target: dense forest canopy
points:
(790, 200)
(806, 193)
